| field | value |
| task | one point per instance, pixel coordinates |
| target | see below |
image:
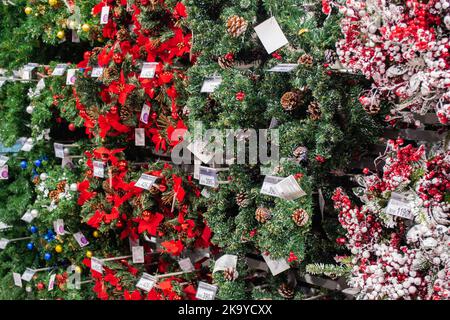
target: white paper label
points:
(17, 279)
(206, 291)
(133, 243)
(139, 137)
(58, 225)
(59, 150)
(186, 265)
(3, 243)
(268, 187)
(146, 282)
(96, 265)
(71, 77)
(104, 16)
(148, 70)
(3, 226)
(97, 72)
(99, 169)
(271, 35)
(4, 174)
(210, 84)
(59, 70)
(40, 85)
(284, 67)
(27, 147)
(81, 239)
(28, 274)
(3, 160)
(28, 217)
(289, 189)
(208, 177)
(145, 113)
(276, 266)
(51, 282)
(146, 181)
(399, 206)
(225, 262)
(138, 254)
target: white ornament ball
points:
(30, 109)
(34, 212)
(43, 176)
(73, 187)
(66, 151)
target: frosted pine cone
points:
(225, 63)
(236, 26)
(242, 200)
(300, 217)
(306, 60)
(262, 215)
(230, 274)
(286, 291)
(314, 111)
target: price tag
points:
(138, 254)
(97, 265)
(146, 181)
(3, 160)
(289, 189)
(276, 266)
(186, 265)
(271, 35)
(4, 226)
(208, 177)
(81, 239)
(139, 137)
(51, 282)
(58, 225)
(27, 72)
(198, 149)
(211, 84)
(104, 16)
(28, 217)
(206, 291)
(145, 113)
(17, 279)
(99, 169)
(75, 37)
(399, 206)
(28, 274)
(59, 150)
(133, 243)
(284, 67)
(148, 70)
(4, 175)
(59, 70)
(27, 147)
(225, 262)
(268, 187)
(146, 282)
(97, 72)
(40, 85)
(71, 77)
(3, 243)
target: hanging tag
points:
(81, 239)
(186, 265)
(97, 72)
(27, 146)
(40, 85)
(225, 262)
(28, 274)
(104, 16)
(146, 181)
(208, 177)
(59, 150)
(400, 206)
(289, 189)
(4, 175)
(71, 77)
(51, 282)
(276, 266)
(17, 279)
(3, 160)
(146, 282)
(3, 243)
(199, 150)
(271, 35)
(148, 70)
(133, 243)
(99, 169)
(206, 291)
(58, 225)
(145, 113)
(59, 70)
(211, 84)
(139, 137)
(284, 67)
(3, 226)
(75, 37)
(28, 217)
(97, 265)
(138, 254)
(27, 71)
(268, 187)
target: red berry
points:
(72, 127)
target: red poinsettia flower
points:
(179, 11)
(121, 88)
(96, 219)
(149, 224)
(173, 247)
(177, 188)
(136, 295)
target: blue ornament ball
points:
(47, 256)
(23, 164)
(33, 229)
(38, 163)
(30, 245)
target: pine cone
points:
(230, 274)
(125, 113)
(262, 215)
(92, 112)
(54, 195)
(167, 198)
(314, 110)
(110, 74)
(122, 35)
(61, 186)
(301, 154)
(289, 101)
(36, 180)
(306, 60)
(330, 57)
(107, 187)
(300, 217)
(236, 26)
(372, 109)
(286, 291)
(210, 105)
(225, 63)
(242, 200)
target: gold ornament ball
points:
(89, 254)
(28, 10)
(61, 34)
(53, 3)
(85, 27)
(58, 248)
(96, 234)
(78, 269)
